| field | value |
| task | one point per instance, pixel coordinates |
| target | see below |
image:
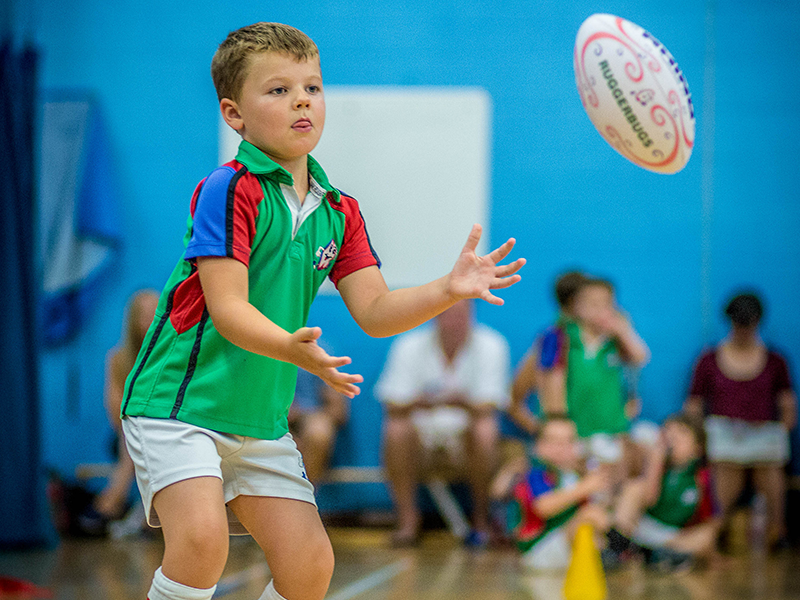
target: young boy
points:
(205, 411)
(553, 499)
(669, 512)
(598, 344)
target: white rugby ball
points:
(634, 93)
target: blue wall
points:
(557, 187)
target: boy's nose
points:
(303, 101)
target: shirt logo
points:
(690, 496)
(325, 256)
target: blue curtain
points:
(22, 502)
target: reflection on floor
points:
(366, 568)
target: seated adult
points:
(316, 415)
(112, 502)
(743, 388)
(441, 388)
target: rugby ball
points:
(634, 93)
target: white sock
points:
(164, 588)
(270, 593)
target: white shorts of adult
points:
(442, 428)
(166, 451)
(552, 552)
(745, 442)
(652, 533)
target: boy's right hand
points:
(598, 480)
(304, 351)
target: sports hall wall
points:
(676, 246)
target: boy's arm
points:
(524, 383)
(654, 473)
(552, 503)
(634, 350)
(225, 288)
(553, 390)
(382, 313)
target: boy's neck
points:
(590, 333)
(684, 464)
(298, 167)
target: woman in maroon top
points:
(745, 393)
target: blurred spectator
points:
(315, 416)
(744, 390)
(668, 513)
(441, 388)
(112, 502)
(594, 350)
(554, 497)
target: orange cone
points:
(585, 577)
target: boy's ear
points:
(230, 112)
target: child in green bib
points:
(599, 343)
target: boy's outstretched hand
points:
(474, 276)
(307, 354)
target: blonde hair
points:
(229, 65)
(132, 333)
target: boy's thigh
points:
(290, 532)
(166, 452)
(192, 505)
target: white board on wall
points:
(418, 161)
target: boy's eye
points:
(278, 91)
(313, 89)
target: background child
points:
(600, 342)
(669, 512)
(553, 498)
(205, 412)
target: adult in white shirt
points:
(441, 389)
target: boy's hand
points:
(307, 354)
(473, 276)
(615, 323)
(633, 408)
(598, 480)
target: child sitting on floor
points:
(553, 498)
(669, 512)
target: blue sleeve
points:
(537, 482)
(550, 348)
(211, 218)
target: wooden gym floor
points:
(367, 568)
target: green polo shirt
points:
(685, 496)
(186, 370)
(595, 386)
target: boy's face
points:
(281, 109)
(558, 445)
(594, 306)
(681, 443)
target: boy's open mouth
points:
(302, 125)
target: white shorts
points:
(652, 533)
(604, 448)
(551, 552)
(746, 443)
(440, 427)
(166, 451)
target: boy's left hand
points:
(474, 276)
